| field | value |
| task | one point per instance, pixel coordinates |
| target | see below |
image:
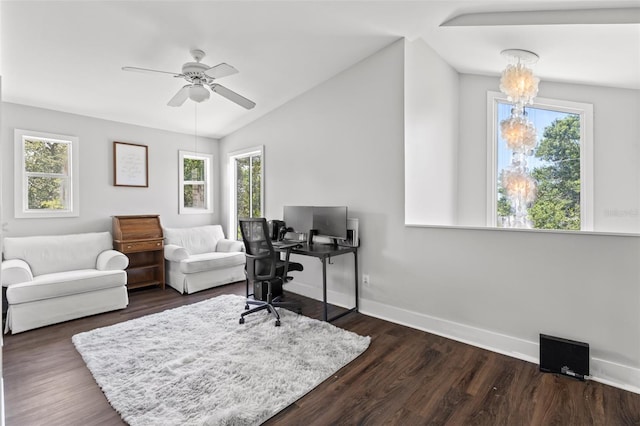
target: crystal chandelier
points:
(520, 86)
(518, 81)
(518, 132)
(519, 185)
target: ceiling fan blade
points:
(179, 98)
(146, 70)
(220, 70)
(232, 96)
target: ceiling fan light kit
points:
(198, 93)
(199, 75)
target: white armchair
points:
(200, 257)
(56, 278)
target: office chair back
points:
(261, 256)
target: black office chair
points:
(264, 266)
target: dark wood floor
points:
(406, 377)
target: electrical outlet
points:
(365, 279)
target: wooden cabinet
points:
(141, 239)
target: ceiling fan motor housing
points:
(194, 69)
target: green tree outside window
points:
(194, 183)
(47, 166)
(248, 188)
(557, 205)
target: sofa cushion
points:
(225, 245)
(210, 261)
(197, 239)
(63, 284)
(57, 253)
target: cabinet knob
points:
(157, 244)
(128, 246)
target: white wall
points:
(339, 144)
(99, 199)
(343, 143)
(1, 238)
(431, 137)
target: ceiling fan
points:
(199, 75)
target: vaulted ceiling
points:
(68, 55)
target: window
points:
(558, 191)
(196, 194)
(46, 175)
(246, 168)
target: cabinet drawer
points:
(135, 246)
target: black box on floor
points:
(261, 289)
(564, 356)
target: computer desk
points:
(324, 252)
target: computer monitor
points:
(331, 222)
(328, 222)
(300, 218)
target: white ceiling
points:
(67, 55)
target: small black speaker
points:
(564, 356)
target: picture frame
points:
(130, 165)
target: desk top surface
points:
(322, 250)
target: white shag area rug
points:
(196, 365)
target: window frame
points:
(233, 181)
(21, 195)
(208, 182)
(585, 112)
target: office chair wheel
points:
(277, 323)
(246, 307)
(241, 320)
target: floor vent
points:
(563, 356)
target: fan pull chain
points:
(196, 126)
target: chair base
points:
(270, 307)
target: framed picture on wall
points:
(130, 164)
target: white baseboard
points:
(614, 374)
(610, 373)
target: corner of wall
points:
(431, 135)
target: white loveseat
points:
(56, 278)
(200, 257)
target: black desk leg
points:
(323, 259)
(355, 259)
(324, 285)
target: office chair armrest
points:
(257, 256)
(251, 266)
(286, 264)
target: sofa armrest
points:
(175, 253)
(112, 260)
(15, 271)
(226, 246)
